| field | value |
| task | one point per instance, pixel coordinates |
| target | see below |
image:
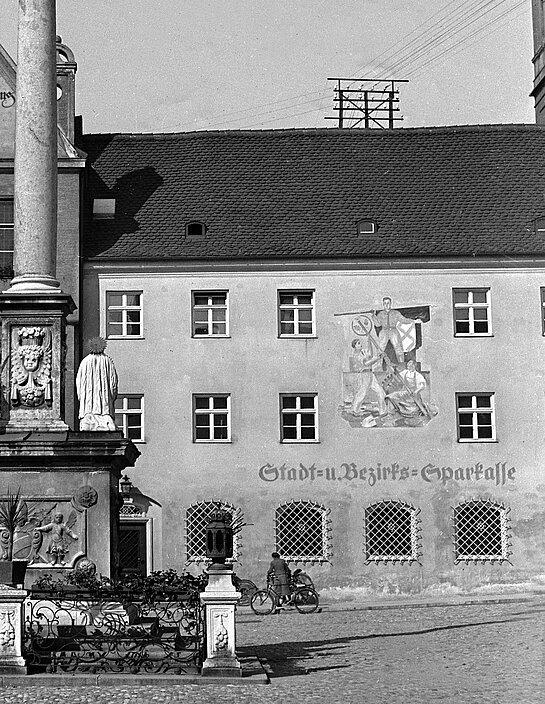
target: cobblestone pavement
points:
(488, 653)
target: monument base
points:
(220, 598)
(11, 631)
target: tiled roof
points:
(444, 191)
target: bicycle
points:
(265, 601)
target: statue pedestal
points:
(11, 631)
(220, 598)
(77, 475)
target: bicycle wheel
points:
(305, 600)
(262, 602)
(247, 588)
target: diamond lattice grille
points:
(480, 531)
(391, 531)
(197, 518)
(129, 547)
(302, 532)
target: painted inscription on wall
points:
(383, 382)
(498, 474)
(7, 98)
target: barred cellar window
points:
(303, 531)
(481, 531)
(197, 518)
(391, 532)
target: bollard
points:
(11, 630)
(220, 598)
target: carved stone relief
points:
(31, 367)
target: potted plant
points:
(13, 516)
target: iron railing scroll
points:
(78, 631)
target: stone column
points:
(35, 222)
(12, 619)
(220, 598)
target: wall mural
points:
(384, 384)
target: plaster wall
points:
(254, 365)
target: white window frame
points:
(542, 297)
(8, 226)
(474, 410)
(298, 412)
(212, 412)
(210, 307)
(471, 306)
(295, 306)
(125, 308)
(125, 411)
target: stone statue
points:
(58, 546)
(96, 384)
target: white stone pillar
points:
(12, 619)
(220, 598)
(35, 222)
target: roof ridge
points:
(516, 126)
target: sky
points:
(184, 65)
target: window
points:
(210, 317)
(198, 517)
(103, 208)
(195, 229)
(542, 290)
(6, 237)
(303, 532)
(481, 531)
(123, 314)
(296, 313)
(367, 227)
(391, 532)
(211, 418)
(476, 421)
(298, 417)
(129, 416)
(471, 312)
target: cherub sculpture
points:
(58, 546)
(31, 368)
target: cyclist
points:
(280, 574)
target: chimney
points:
(538, 93)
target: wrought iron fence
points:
(83, 632)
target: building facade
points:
(336, 334)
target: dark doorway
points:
(132, 549)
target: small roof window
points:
(366, 227)
(103, 208)
(540, 225)
(195, 229)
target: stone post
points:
(12, 619)
(35, 224)
(220, 598)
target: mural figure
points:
(31, 369)
(362, 361)
(96, 385)
(383, 382)
(408, 400)
(58, 546)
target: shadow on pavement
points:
(289, 658)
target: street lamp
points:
(125, 488)
(219, 538)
